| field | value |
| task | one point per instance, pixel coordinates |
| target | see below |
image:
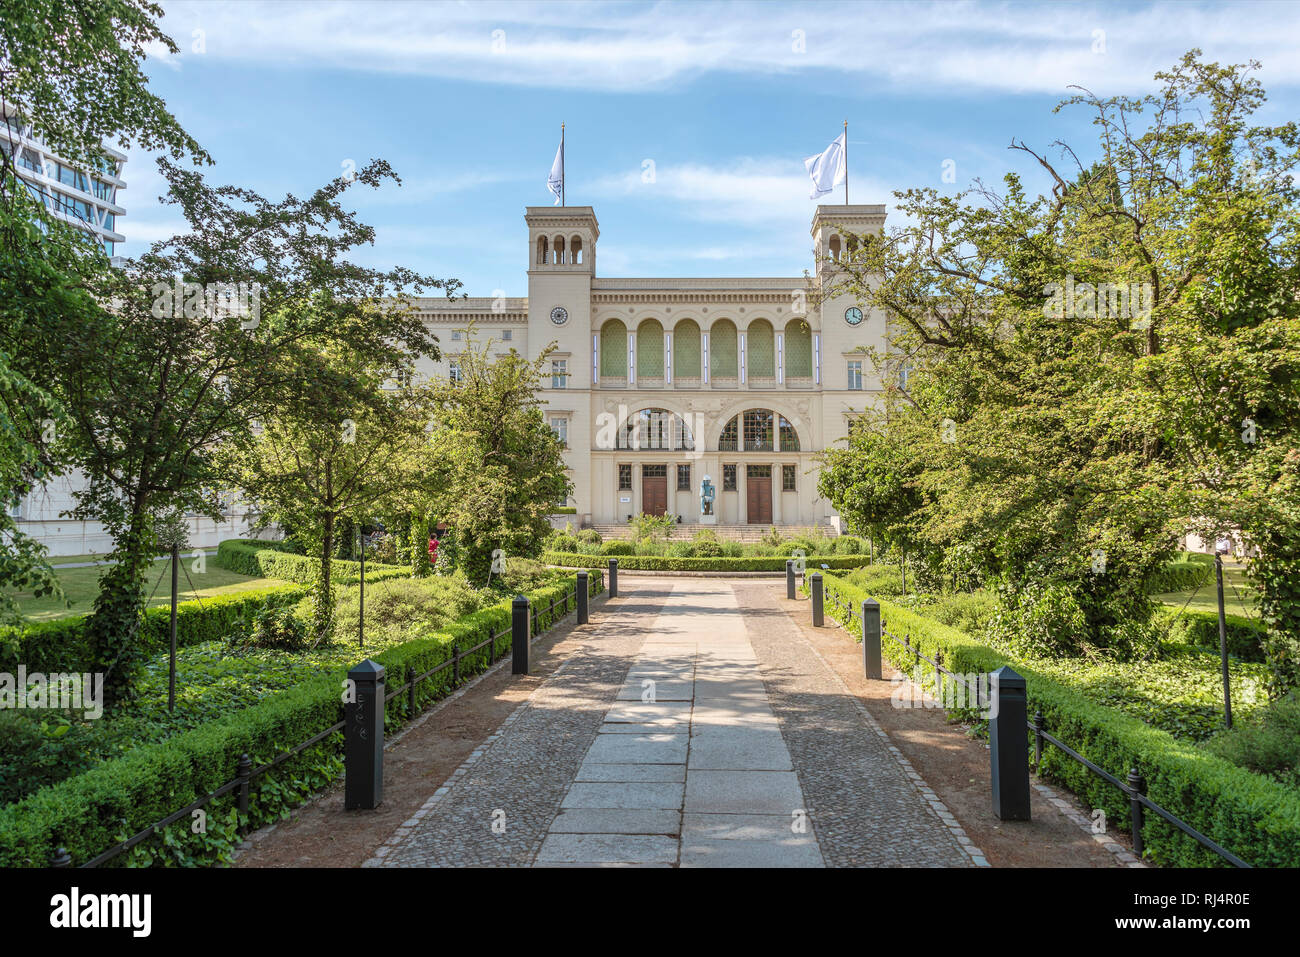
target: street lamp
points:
(1222, 547)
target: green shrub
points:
(1188, 571)
(1268, 744)
(680, 550)
(878, 580)
(564, 510)
(252, 557)
(563, 542)
(115, 799)
(1252, 816)
(847, 545)
(61, 645)
(617, 547)
(1246, 636)
(394, 608)
(589, 536)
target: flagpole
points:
(846, 162)
(561, 164)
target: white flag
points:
(827, 169)
(555, 182)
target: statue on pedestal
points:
(707, 496)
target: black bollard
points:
(1008, 747)
(613, 578)
(519, 635)
(582, 597)
(815, 584)
(363, 718)
(789, 579)
(871, 638)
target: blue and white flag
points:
(555, 182)
(828, 169)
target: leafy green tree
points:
(1084, 365)
(497, 468)
(326, 456)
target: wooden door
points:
(654, 489)
(758, 494)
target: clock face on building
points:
(853, 315)
(559, 315)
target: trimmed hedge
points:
(1189, 570)
(1201, 628)
(91, 812)
(61, 645)
(1255, 818)
(565, 510)
(249, 556)
(668, 563)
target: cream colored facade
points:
(771, 355)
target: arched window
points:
(613, 350)
(760, 350)
(655, 429)
(559, 250)
(650, 350)
(758, 430)
(835, 248)
(541, 250)
(798, 349)
(575, 249)
(686, 349)
(723, 356)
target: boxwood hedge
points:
(61, 645)
(91, 812)
(669, 563)
(1255, 818)
(248, 556)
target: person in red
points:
(433, 551)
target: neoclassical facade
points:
(657, 384)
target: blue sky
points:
(465, 100)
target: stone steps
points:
(726, 533)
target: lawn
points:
(1238, 596)
(80, 586)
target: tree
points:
(206, 333)
(325, 455)
(497, 468)
(1084, 365)
(73, 72)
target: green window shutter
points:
(722, 351)
(761, 347)
(686, 350)
(798, 349)
(650, 350)
(613, 350)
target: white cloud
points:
(958, 46)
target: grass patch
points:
(1238, 596)
(81, 586)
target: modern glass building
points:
(83, 198)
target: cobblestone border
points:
(406, 827)
(946, 816)
(1121, 853)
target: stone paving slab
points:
(618, 821)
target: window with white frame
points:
(454, 373)
(559, 373)
(560, 426)
(507, 335)
(855, 374)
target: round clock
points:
(559, 315)
(853, 315)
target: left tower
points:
(561, 266)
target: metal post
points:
(1007, 752)
(363, 717)
(871, 638)
(582, 597)
(361, 596)
(410, 690)
(1038, 740)
(171, 664)
(613, 578)
(61, 858)
(1223, 643)
(455, 664)
(519, 635)
(244, 773)
(815, 583)
(1138, 786)
(789, 579)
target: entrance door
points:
(758, 494)
(654, 489)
